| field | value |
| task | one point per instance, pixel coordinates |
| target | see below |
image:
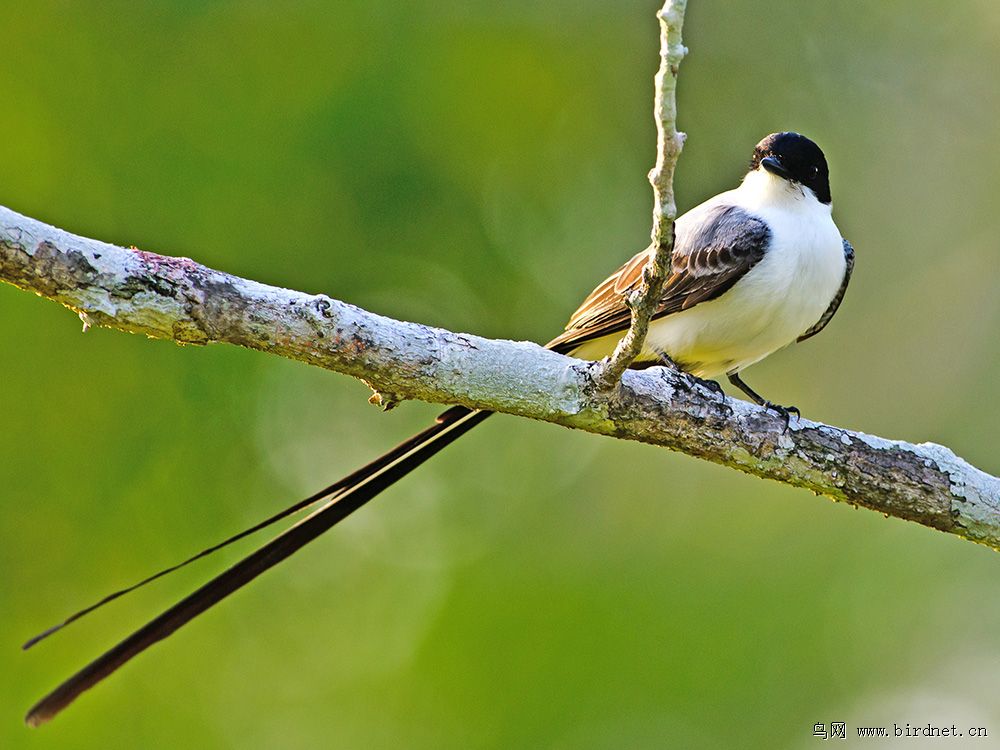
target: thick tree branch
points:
(644, 301)
(178, 299)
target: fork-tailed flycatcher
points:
(753, 270)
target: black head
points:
(796, 158)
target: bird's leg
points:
(784, 411)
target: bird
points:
(752, 270)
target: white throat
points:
(761, 189)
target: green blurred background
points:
(480, 166)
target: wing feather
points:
(714, 249)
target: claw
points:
(710, 385)
(785, 412)
(713, 387)
(686, 379)
(689, 381)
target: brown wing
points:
(712, 251)
(837, 298)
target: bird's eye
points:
(813, 173)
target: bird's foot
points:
(713, 387)
(710, 385)
(688, 381)
(785, 412)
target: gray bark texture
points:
(178, 299)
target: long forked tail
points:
(341, 498)
(325, 494)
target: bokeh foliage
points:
(479, 166)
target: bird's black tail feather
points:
(341, 498)
(327, 493)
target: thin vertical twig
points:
(644, 301)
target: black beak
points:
(773, 165)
